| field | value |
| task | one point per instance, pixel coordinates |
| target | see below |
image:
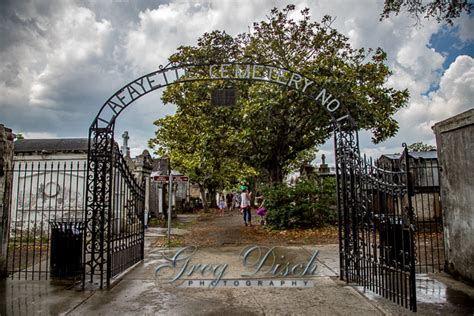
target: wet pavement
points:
(142, 292)
(437, 294)
(139, 292)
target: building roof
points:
(424, 154)
(392, 156)
(51, 145)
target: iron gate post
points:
(340, 203)
(410, 193)
(99, 175)
(347, 153)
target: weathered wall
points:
(46, 187)
(455, 142)
(6, 160)
(427, 206)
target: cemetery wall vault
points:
(114, 225)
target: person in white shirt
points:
(245, 207)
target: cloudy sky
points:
(60, 60)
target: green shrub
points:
(310, 203)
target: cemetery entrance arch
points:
(375, 235)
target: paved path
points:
(215, 231)
(140, 292)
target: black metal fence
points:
(45, 194)
(389, 234)
(376, 224)
(47, 235)
(390, 221)
(428, 215)
(382, 253)
(126, 219)
(114, 221)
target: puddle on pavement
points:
(431, 291)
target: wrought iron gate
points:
(68, 217)
(376, 223)
(114, 222)
(426, 202)
(47, 205)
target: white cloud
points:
(38, 135)
(58, 68)
(466, 27)
(456, 90)
(79, 42)
(455, 95)
(162, 30)
(414, 64)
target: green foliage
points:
(272, 128)
(157, 222)
(310, 203)
(200, 140)
(420, 146)
(442, 10)
(304, 157)
(32, 235)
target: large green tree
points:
(273, 125)
(200, 145)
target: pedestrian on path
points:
(221, 204)
(261, 211)
(237, 200)
(229, 198)
(245, 207)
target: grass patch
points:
(175, 241)
(175, 222)
(157, 222)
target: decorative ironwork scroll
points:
(114, 225)
(376, 222)
(98, 203)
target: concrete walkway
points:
(138, 292)
(141, 292)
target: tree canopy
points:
(441, 10)
(272, 126)
(420, 146)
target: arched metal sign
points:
(114, 230)
(174, 73)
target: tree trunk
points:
(276, 174)
(204, 200)
(212, 196)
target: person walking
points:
(229, 198)
(221, 204)
(245, 207)
(237, 200)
